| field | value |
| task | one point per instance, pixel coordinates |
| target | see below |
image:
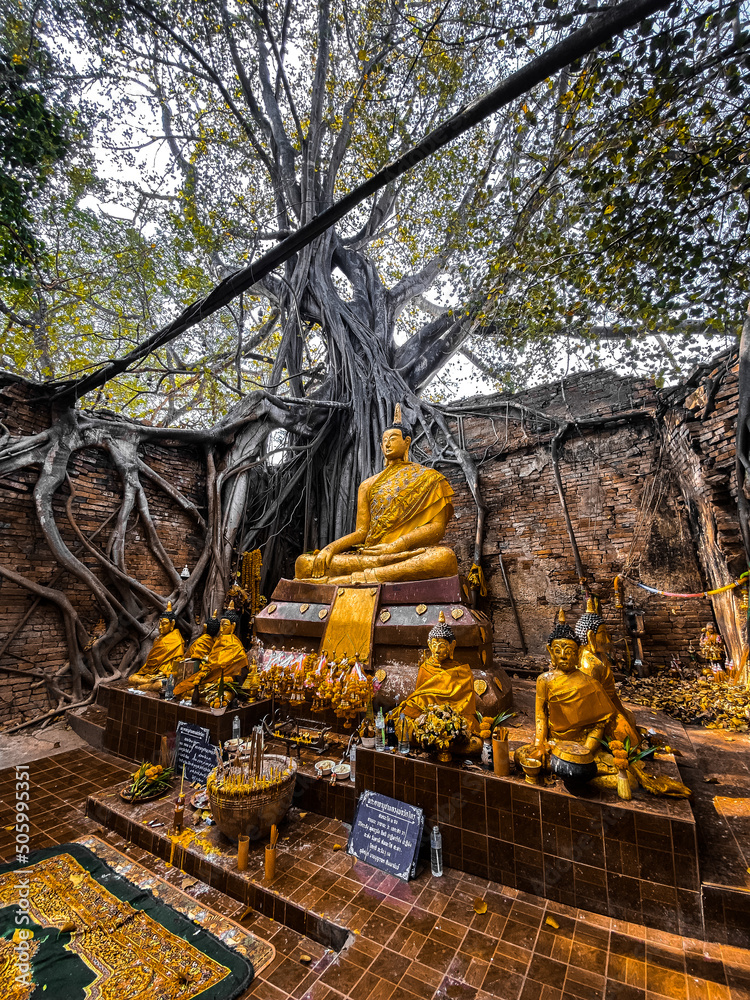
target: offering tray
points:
(296, 732)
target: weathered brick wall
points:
(699, 437)
(40, 641)
(624, 498)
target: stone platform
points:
(136, 722)
(635, 860)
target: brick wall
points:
(40, 642)
(631, 511)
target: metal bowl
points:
(573, 763)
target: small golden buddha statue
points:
(571, 705)
(595, 657)
(167, 651)
(402, 514)
(227, 656)
(201, 647)
(441, 681)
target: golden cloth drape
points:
(202, 646)
(403, 497)
(453, 685)
(227, 654)
(575, 702)
(349, 627)
(166, 652)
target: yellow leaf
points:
(552, 923)
(305, 958)
(479, 905)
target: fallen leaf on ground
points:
(305, 958)
(552, 923)
(479, 905)
(337, 847)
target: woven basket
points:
(253, 815)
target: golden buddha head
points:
(166, 620)
(591, 630)
(229, 620)
(562, 646)
(441, 641)
(396, 439)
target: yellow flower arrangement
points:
(439, 726)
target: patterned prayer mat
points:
(97, 934)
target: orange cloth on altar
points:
(227, 654)
(576, 702)
(403, 497)
(165, 653)
(202, 646)
(453, 685)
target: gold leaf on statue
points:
(479, 905)
(303, 608)
(271, 608)
(480, 686)
(421, 608)
(380, 675)
(457, 613)
(484, 656)
(384, 616)
(483, 634)
(373, 591)
(323, 613)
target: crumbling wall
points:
(32, 637)
(629, 516)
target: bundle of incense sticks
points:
(274, 837)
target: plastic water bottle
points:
(380, 731)
(403, 735)
(236, 726)
(169, 687)
(352, 762)
(436, 852)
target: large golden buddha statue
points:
(441, 681)
(167, 651)
(402, 514)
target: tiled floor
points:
(420, 940)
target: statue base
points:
(297, 614)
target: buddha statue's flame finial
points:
(397, 414)
(561, 616)
(591, 606)
(230, 606)
(441, 618)
(169, 605)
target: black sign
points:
(386, 833)
(195, 752)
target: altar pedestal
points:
(297, 613)
(136, 722)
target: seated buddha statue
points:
(596, 655)
(440, 681)
(167, 651)
(402, 514)
(227, 656)
(570, 704)
(201, 647)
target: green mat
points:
(96, 936)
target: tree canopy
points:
(609, 202)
